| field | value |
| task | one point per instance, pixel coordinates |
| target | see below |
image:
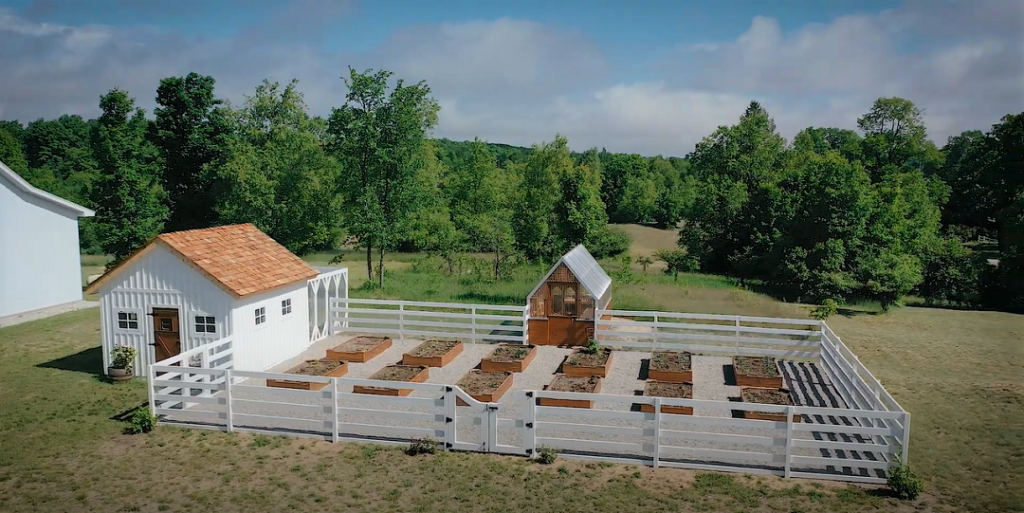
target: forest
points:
(834, 215)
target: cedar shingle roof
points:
(239, 258)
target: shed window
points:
(563, 299)
(286, 306)
(261, 315)
(128, 320)
(205, 324)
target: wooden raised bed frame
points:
(561, 379)
(346, 352)
(587, 371)
(433, 361)
(492, 396)
(671, 376)
(337, 372)
(677, 410)
(746, 380)
(420, 377)
(489, 365)
(763, 415)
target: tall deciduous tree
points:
(128, 203)
(535, 213)
(894, 134)
(190, 132)
(580, 213)
(379, 138)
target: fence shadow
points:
(89, 361)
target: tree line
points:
(834, 215)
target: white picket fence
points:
(401, 319)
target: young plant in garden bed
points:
(592, 360)
(576, 384)
(757, 371)
(670, 390)
(360, 349)
(509, 358)
(433, 353)
(670, 366)
(408, 373)
(321, 367)
(766, 396)
(487, 387)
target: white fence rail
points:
(477, 323)
(710, 334)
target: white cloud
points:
(520, 82)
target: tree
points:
(618, 170)
(579, 213)
(951, 273)
(894, 134)
(128, 203)
(190, 131)
(535, 213)
(379, 138)
(1004, 179)
(11, 154)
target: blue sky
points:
(646, 76)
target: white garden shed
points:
(189, 288)
(40, 263)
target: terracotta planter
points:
(669, 375)
(747, 380)
(489, 365)
(685, 392)
(586, 371)
(359, 349)
(747, 392)
(489, 396)
(419, 377)
(337, 372)
(119, 375)
(559, 384)
(412, 360)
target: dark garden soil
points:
(581, 359)
(361, 344)
(670, 361)
(477, 382)
(432, 348)
(510, 353)
(756, 366)
(766, 396)
(563, 383)
(673, 390)
(315, 367)
(397, 373)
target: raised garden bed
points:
(582, 365)
(433, 353)
(321, 367)
(766, 396)
(486, 387)
(670, 367)
(407, 373)
(757, 371)
(509, 358)
(577, 384)
(667, 389)
(360, 349)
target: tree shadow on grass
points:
(494, 299)
(89, 361)
(850, 312)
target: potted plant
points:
(121, 360)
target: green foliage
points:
(592, 347)
(422, 446)
(122, 357)
(677, 261)
(12, 155)
(141, 421)
(903, 482)
(951, 274)
(580, 213)
(547, 455)
(534, 217)
(644, 261)
(608, 242)
(827, 309)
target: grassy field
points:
(959, 373)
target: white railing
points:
(320, 290)
(710, 334)
(194, 374)
(477, 323)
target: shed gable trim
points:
(27, 188)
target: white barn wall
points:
(156, 280)
(260, 347)
(40, 264)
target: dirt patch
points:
(756, 366)
(766, 396)
(581, 359)
(397, 373)
(510, 353)
(315, 367)
(670, 361)
(476, 382)
(361, 344)
(563, 383)
(433, 348)
(673, 390)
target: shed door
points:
(166, 333)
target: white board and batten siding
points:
(156, 280)
(281, 337)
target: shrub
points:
(903, 482)
(951, 274)
(142, 421)
(422, 446)
(828, 308)
(122, 357)
(608, 242)
(547, 455)
(677, 261)
(592, 347)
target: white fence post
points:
(737, 348)
(789, 440)
(906, 438)
(334, 394)
(526, 325)
(492, 427)
(657, 431)
(401, 320)
(450, 421)
(656, 329)
(227, 394)
(472, 322)
(530, 426)
(152, 402)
